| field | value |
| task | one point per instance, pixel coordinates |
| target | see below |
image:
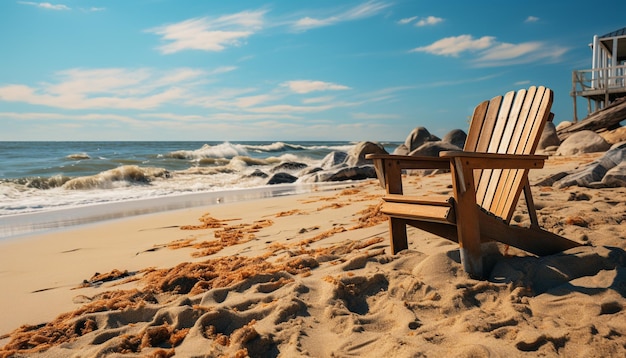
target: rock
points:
(333, 159)
(401, 150)
(432, 149)
(281, 178)
(615, 136)
(592, 176)
(583, 142)
(308, 171)
(592, 173)
(349, 173)
(257, 173)
(418, 137)
(548, 137)
(563, 125)
(288, 166)
(353, 173)
(357, 154)
(616, 177)
(455, 137)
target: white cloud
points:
(306, 86)
(491, 53)
(43, 116)
(45, 5)
(207, 34)
(362, 11)
(504, 54)
(429, 21)
(407, 20)
(111, 88)
(531, 19)
(453, 46)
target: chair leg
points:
(467, 223)
(397, 229)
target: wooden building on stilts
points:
(606, 80)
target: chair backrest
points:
(509, 124)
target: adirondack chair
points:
(488, 177)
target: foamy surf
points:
(41, 177)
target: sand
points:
(311, 275)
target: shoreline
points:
(20, 225)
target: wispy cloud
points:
(306, 86)
(489, 52)
(429, 21)
(453, 46)
(206, 34)
(45, 116)
(407, 20)
(504, 54)
(361, 11)
(531, 19)
(45, 5)
(111, 88)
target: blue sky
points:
(279, 70)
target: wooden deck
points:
(600, 87)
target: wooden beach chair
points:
(488, 177)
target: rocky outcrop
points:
(549, 138)
(282, 178)
(356, 156)
(418, 137)
(289, 166)
(334, 159)
(583, 142)
(432, 149)
(455, 137)
(608, 171)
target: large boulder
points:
(455, 137)
(616, 177)
(401, 150)
(583, 142)
(333, 159)
(607, 171)
(432, 149)
(341, 174)
(418, 137)
(549, 137)
(563, 125)
(289, 166)
(356, 156)
(282, 178)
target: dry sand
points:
(311, 276)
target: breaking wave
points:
(121, 176)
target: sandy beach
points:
(311, 275)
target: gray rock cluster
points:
(421, 143)
(336, 166)
(609, 171)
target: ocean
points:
(51, 185)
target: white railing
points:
(599, 79)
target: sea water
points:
(45, 185)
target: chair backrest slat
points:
(509, 124)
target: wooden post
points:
(397, 227)
(467, 219)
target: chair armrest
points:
(389, 168)
(476, 160)
(411, 162)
